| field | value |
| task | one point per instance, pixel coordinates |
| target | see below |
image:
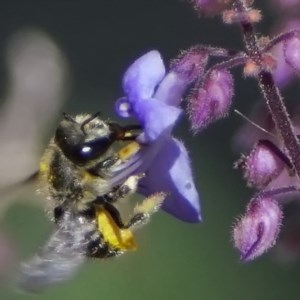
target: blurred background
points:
(70, 56)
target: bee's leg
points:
(141, 213)
(125, 133)
(127, 188)
(58, 213)
(137, 218)
(98, 247)
(105, 167)
(115, 214)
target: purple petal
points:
(142, 77)
(171, 89)
(170, 172)
(258, 229)
(156, 117)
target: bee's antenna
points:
(253, 123)
(68, 117)
(88, 120)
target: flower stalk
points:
(271, 93)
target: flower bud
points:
(184, 70)
(210, 7)
(262, 165)
(292, 53)
(190, 64)
(285, 6)
(258, 229)
(212, 101)
(283, 74)
(231, 16)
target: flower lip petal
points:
(170, 172)
(142, 77)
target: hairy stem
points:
(271, 93)
(281, 38)
(278, 192)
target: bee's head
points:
(84, 138)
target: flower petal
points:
(142, 77)
(171, 89)
(170, 172)
(156, 117)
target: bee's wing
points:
(60, 257)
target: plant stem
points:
(271, 93)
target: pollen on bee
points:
(151, 204)
(44, 167)
(116, 237)
(129, 150)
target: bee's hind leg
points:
(141, 213)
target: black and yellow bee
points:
(75, 177)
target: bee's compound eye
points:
(92, 150)
(86, 150)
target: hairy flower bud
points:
(262, 165)
(258, 229)
(292, 53)
(231, 16)
(190, 64)
(210, 7)
(285, 6)
(184, 70)
(283, 74)
(212, 100)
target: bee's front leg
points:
(106, 167)
(119, 192)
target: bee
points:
(76, 178)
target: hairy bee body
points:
(74, 186)
(75, 179)
(63, 183)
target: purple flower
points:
(212, 100)
(283, 73)
(153, 98)
(262, 165)
(258, 229)
(210, 7)
(292, 53)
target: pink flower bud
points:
(190, 64)
(210, 7)
(262, 165)
(286, 5)
(292, 53)
(258, 229)
(212, 101)
(283, 74)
